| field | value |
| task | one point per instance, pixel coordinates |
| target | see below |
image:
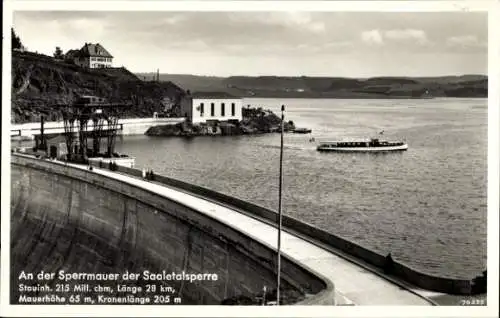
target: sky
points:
(343, 44)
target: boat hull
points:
(302, 131)
(364, 149)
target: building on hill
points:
(71, 55)
(91, 56)
(206, 107)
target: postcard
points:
(250, 158)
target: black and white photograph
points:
(270, 157)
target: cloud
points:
(378, 37)
(338, 44)
(175, 19)
(464, 41)
(372, 37)
(193, 44)
(304, 20)
(95, 27)
(300, 21)
(407, 34)
(317, 27)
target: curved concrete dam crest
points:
(69, 219)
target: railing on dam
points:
(125, 126)
(391, 267)
(57, 130)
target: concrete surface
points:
(69, 218)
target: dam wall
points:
(63, 218)
(392, 268)
(127, 126)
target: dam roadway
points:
(351, 282)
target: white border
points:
(258, 311)
(243, 5)
(493, 152)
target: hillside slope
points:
(39, 82)
(335, 87)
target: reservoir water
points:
(426, 206)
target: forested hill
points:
(333, 87)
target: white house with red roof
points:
(91, 56)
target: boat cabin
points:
(374, 142)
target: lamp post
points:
(280, 206)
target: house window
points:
(233, 109)
(202, 109)
(222, 109)
(212, 109)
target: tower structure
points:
(89, 123)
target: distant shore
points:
(464, 86)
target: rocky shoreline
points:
(255, 121)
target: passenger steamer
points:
(372, 145)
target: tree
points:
(58, 54)
(16, 41)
